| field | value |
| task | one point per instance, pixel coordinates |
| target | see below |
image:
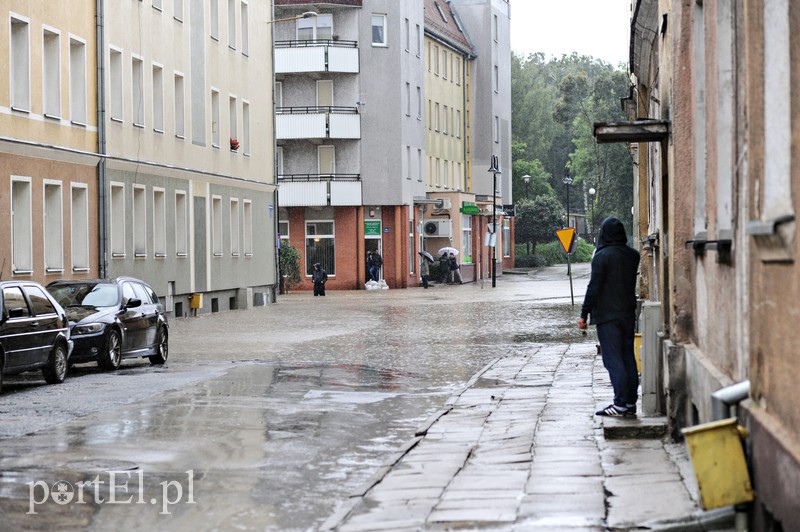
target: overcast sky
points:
(599, 28)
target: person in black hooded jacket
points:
(610, 300)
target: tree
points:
(539, 182)
(289, 266)
(537, 220)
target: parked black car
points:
(34, 333)
(113, 319)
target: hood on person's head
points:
(316, 266)
(612, 231)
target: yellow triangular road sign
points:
(567, 238)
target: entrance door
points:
(374, 245)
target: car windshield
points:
(86, 294)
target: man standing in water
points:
(611, 302)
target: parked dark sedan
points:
(113, 319)
(34, 333)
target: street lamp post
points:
(495, 169)
(567, 182)
(592, 192)
(527, 179)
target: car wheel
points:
(162, 347)
(111, 358)
(56, 369)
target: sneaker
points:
(616, 411)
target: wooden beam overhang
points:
(634, 131)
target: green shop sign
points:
(468, 207)
(372, 228)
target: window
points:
(139, 221)
(157, 4)
(180, 107)
(245, 29)
(216, 225)
(278, 96)
(247, 220)
(326, 159)
(246, 127)
(430, 115)
(457, 124)
(444, 63)
(408, 99)
(20, 67)
(215, 126)
(419, 103)
(279, 160)
(79, 230)
(181, 224)
(436, 116)
(436, 60)
(53, 228)
(13, 299)
(419, 41)
(115, 84)
(466, 239)
(428, 53)
(177, 9)
(412, 257)
(496, 79)
(506, 237)
(51, 74)
(21, 225)
(407, 28)
(234, 227)
(158, 98)
(378, 31)
(117, 220)
(159, 223)
(137, 90)
(232, 24)
(445, 115)
(39, 301)
(436, 169)
(419, 165)
(497, 129)
(232, 119)
(77, 81)
(408, 162)
(214, 19)
(283, 232)
(457, 75)
(315, 28)
(495, 28)
(320, 246)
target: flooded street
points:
(267, 418)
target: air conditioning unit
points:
(443, 203)
(436, 228)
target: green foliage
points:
(538, 220)
(552, 253)
(289, 265)
(539, 182)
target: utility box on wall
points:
(652, 387)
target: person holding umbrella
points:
(455, 269)
(444, 267)
(424, 268)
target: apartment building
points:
(717, 195)
(48, 140)
(356, 147)
(187, 182)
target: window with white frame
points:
(234, 223)
(245, 28)
(216, 226)
(466, 239)
(419, 165)
(158, 4)
(436, 117)
(419, 103)
(436, 60)
(428, 52)
(20, 67)
(457, 124)
(246, 127)
(233, 121)
(232, 24)
(214, 19)
(445, 116)
(407, 28)
(444, 63)
(497, 129)
(438, 167)
(180, 106)
(283, 232)
(495, 28)
(177, 9)
(116, 216)
(320, 246)
(496, 79)
(419, 41)
(51, 73)
(181, 224)
(139, 221)
(159, 223)
(457, 66)
(158, 98)
(408, 99)
(215, 125)
(412, 257)
(53, 227)
(506, 237)
(21, 225)
(115, 87)
(79, 227)
(315, 28)
(408, 162)
(77, 81)
(247, 222)
(379, 30)
(137, 90)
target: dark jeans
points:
(375, 273)
(319, 289)
(425, 278)
(616, 344)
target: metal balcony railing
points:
(294, 178)
(316, 109)
(316, 42)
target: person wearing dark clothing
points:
(455, 270)
(319, 277)
(611, 302)
(369, 265)
(375, 271)
(444, 268)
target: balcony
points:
(319, 190)
(298, 57)
(317, 123)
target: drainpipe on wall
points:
(102, 209)
(276, 243)
(724, 398)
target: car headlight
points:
(90, 328)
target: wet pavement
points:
(456, 406)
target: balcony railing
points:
(315, 122)
(297, 57)
(315, 190)
(319, 177)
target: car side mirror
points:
(133, 303)
(16, 312)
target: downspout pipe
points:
(102, 198)
(724, 398)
